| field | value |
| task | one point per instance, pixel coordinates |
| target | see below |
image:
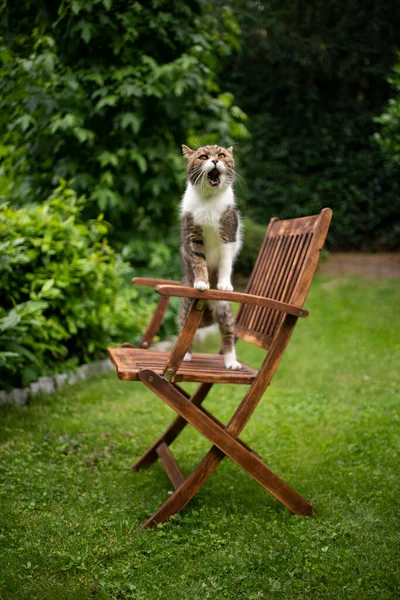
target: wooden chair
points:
(268, 314)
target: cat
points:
(210, 237)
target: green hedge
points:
(311, 78)
(64, 290)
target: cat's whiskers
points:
(199, 177)
(236, 176)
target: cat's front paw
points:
(201, 285)
(187, 357)
(225, 286)
(234, 365)
(231, 362)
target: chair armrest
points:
(149, 281)
(184, 291)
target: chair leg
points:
(171, 433)
(229, 445)
(187, 490)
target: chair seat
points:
(207, 368)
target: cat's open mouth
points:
(213, 177)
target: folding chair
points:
(268, 314)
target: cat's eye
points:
(222, 155)
(203, 157)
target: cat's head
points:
(211, 168)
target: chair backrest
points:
(283, 271)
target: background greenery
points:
(64, 301)
(104, 94)
(311, 78)
(101, 94)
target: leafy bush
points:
(389, 136)
(104, 94)
(63, 289)
(19, 351)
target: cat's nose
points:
(215, 160)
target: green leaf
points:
(25, 121)
(108, 158)
(139, 159)
(110, 100)
(130, 120)
(49, 62)
(10, 320)
(48, 285)
(86, 29)
(29, 375)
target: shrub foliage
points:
(104, 94)
(63, 290)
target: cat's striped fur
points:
(210, 236)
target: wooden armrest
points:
(184, 291)
(149, 281)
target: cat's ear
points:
(187, 152)
(230, 149)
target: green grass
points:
(329, 425)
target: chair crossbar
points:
(227, 444)
(170, 465)
(171, 433)
(220, 424)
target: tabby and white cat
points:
(210, 237)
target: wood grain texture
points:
(192, 484)
(151, 282)
(227, 444)
(170, 465)
(285, 326)
(287, 256)
(189, 292)
(171, 432)
(184, 340)
(208, 368)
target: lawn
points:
(329, 425)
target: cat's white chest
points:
(207, 212)
(212, 244)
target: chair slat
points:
(277, 274)
(202, 368)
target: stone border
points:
(54, 383)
